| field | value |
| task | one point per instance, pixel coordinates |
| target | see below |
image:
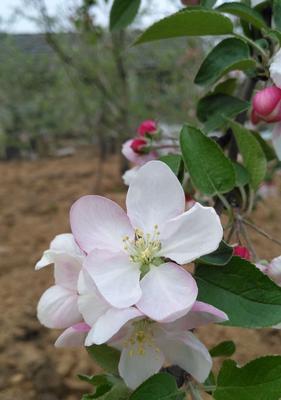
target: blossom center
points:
(141, 339)
(143, 249)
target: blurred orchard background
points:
(71, 93)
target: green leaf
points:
(174, 161)
(252, 154)
(188, 22)
(108, 387)
(277, 14)
(221, 256)
(213, 110)
(244, 12)
(107, 357)
(258, 380)
(226, 87)
(161, 386)
(118, 392)
(269, 152)
(210, 170)
(123, 13)
(230, 54)
(245, 294)
(242, 175)
(223, 349)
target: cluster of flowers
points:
(267, 103)
(149, 144)
(119, 277)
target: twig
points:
(261, 232)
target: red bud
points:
(242, 252)
(147, 127)
(267, 105)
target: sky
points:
(23, 24)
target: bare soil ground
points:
(35, 198)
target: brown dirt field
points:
(35, 198)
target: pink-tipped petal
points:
(154, 196)
(58, 309)
(186, 351)
(97, 222)
(191, 235)
(168, 293)
(109, 324)
(200, 314)
(73, 336)
(116, 277)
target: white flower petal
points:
(275, 69)
(109, 324)
(97, 222)
(186, 351)
(135, 368)
(57, 308)
(130, 175)
(67, 270)
(61, 244)
(200, 314)
(168, 292)
(274, 270)
(73, 336)
(154, 196)
(90, 302)
(191, 235)
(65, 243)
(116, 277)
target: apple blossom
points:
(267, 105)
(133, 258)
(242, 252)
(146, 345)
(275, 69)
(148, 127)
(58, 306)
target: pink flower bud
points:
(148, 127)
(242, 252)
(267, 105)
(138, 145)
